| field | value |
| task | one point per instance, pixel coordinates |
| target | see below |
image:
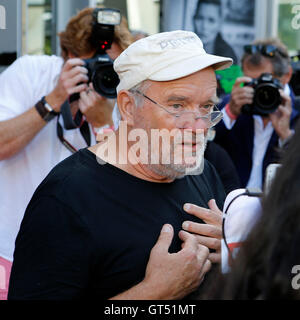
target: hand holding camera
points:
(260, 96)
(96, 108)
(240, 96)
(281, 117)
(73, 79)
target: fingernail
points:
(185, 225)
(166, 228)
(187, 207)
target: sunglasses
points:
(266, 50)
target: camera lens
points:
(105, 81)
(267, 98)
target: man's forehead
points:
(188, 93)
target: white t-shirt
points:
(22, 85)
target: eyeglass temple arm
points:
(139, 92)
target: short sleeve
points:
(15, 88)
(52, 254)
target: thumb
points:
(165, 238)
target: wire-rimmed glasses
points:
(210, 116)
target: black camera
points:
(102, 75)
(100, 68)
(266, 95)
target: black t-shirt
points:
(88, 230)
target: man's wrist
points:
(229, 113)
(55, 100)
(285, 138)
(286, 134)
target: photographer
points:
(258, 117)
(32, 92)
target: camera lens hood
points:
(266, 98)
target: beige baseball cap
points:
(163, 57)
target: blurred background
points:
(31, 26)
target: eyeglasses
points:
(266, 50)
(209, 114)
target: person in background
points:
(267, 265)
(253, 140)
(32, 92)
(207, 22)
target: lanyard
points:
(71, 123)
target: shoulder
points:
(30, 65)
(37, 60)
(72, 181)
(64, 176)
(42, 62)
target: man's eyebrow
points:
(213, 100)
(177, 98)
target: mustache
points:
(190, 138)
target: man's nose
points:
(193, 123)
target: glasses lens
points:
(251, 49)
(207, 121)
(216, 117)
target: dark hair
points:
(280, 61)
(200, 2)
(263, 266)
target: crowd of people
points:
(74, 225)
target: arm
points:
(281, 118)
(52, 253)
(17, 132)
(239, 97)
(171, 276)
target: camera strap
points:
(70, 123)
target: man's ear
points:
(126, 105)
(287, 77)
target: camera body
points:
(100, 68)
(101, 73)
(266, 96)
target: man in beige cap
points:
(136, 221)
